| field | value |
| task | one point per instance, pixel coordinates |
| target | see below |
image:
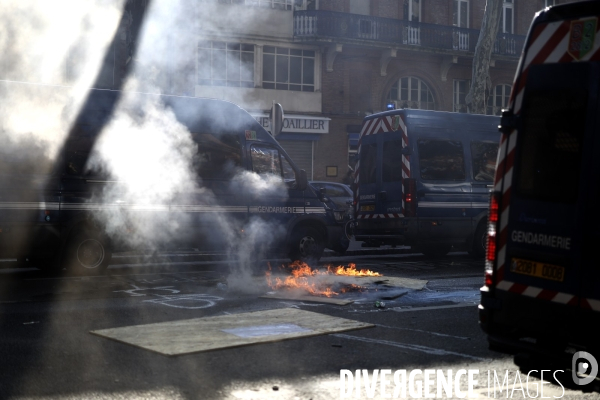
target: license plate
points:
(367, 208)
(538, 269)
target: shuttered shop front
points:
(301, 152)
(298, 136)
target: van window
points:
(441, 160)
(551, 142)
(265, 160)
(484, 156)
(392, 161)
(368, 161)
(334, 190)
(288, 171)
(218, 157)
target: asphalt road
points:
(48, 352)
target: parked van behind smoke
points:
(423, 179)
(225, 182)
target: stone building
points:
(332, 62)
(328, 62)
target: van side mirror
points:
(322, 192)
(301, 180)
(406, 151)
(508, 122)
(276, 119)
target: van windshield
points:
(266, 161)
(551, 143)
(218, 157)
(483, 157)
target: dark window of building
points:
(288, 69)
(461, 88)
(411, 92)
(225, 64)
(498, 100)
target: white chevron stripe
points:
(540, 42)
(562, 298)
(532, 291)
(504, 285)
(501, 256)
(595, 304)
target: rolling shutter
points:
(301, 152)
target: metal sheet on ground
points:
(227, 331)
(294, 295)
(407, 283)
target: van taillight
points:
(410, 197)
(490, 256)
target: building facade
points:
(328, 62)
(332, 62)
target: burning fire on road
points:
(318, 282)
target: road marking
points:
(406, 346)
(300, 303)
(420, 330)
(113, 275)
(460, 305)
(199, 301)
(135, 289)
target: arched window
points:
(498, 100)
(411, 92)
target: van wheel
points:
(434, 251)
(479, 242)
(306, 245)
(86, 253)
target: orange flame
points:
(351, 271)
(302, 278)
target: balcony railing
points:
(313, 25)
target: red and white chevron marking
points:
(548, 43)
(538, 293)
(549, 295)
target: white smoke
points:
(39, 42)
(53, 53)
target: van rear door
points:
(381, 170)
(548, 249)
